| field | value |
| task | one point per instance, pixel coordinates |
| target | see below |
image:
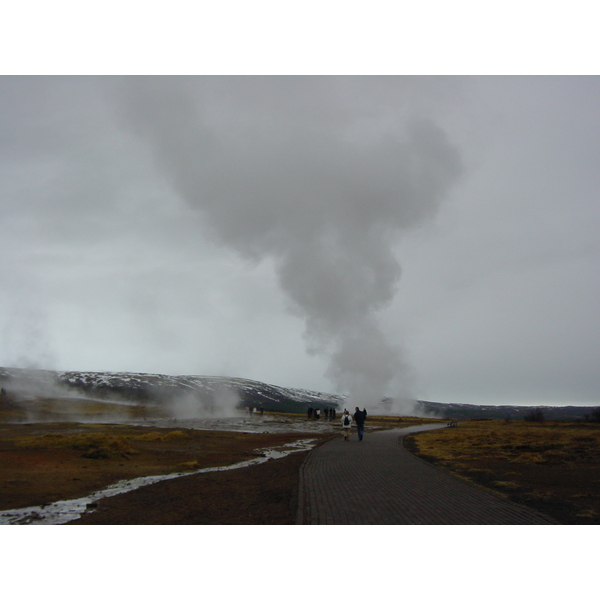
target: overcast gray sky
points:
(431, 237)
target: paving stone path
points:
(378, 482)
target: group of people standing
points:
(359, 417)
(315, 413)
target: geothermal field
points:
(68, 442)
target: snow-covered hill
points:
(154, 388)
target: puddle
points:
(64, 511)
(249, 424)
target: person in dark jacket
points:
(360, 416)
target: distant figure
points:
(317, 413)
(360, 416)
(346, 425)
(262, 410)
(309, 412)
(3, 392)
(326, 413)
(331, 414)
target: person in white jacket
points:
(346, 425)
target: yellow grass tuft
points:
(529, 457)
(157, 436)
(509, 485)
(192, 464)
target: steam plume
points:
(320, 174)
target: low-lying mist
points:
(223, 403)
(39, 397)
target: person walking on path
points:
(360, 416)
(346, 425)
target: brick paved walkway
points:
(378, 482)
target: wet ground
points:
(51, 473)
(65, 511)
(251, 424)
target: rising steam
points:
(222, 403)
(322, 175)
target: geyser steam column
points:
(321, 174)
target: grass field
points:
(553, 467)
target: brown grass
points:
(553, 467)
